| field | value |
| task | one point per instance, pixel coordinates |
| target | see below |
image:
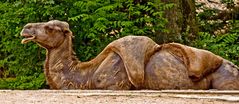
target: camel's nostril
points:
(24, 31)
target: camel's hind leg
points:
(165, 71)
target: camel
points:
(129, 63)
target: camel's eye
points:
(49, 29)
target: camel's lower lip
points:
(27, 38)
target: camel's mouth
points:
(27, 38)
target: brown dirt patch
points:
(117, 97)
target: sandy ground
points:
(117, 97)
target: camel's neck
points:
(64, 71)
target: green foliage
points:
(211, 37)
(226, 45)
(98, 22)
(94, 23)
(24, 82)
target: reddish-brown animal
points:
(131, 62)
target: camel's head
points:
(48, 34)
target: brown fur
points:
(131, 62)
(199, 62)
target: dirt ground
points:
(118, 97)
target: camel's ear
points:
(198, 62)
(67, 32)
